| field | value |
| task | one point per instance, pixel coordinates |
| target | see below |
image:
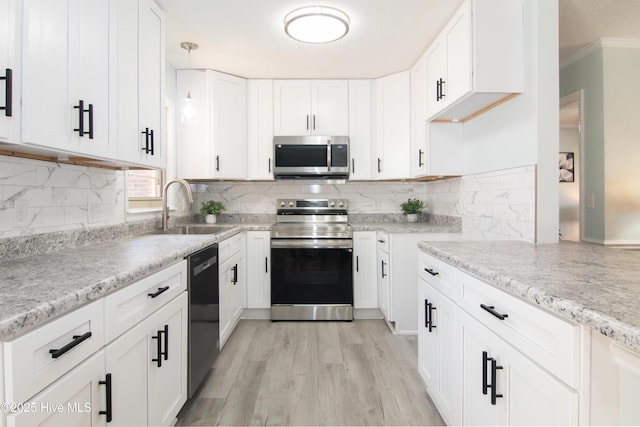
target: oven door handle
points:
(312, 243)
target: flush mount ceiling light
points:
(316, 24)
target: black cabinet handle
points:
(8, 92)
(420, 162)
(146, 134)
(165, 353)
(109, 411)
(431, 271)
(490, 309)
(383, 275)
(430, 308)
(158, 339)
(76, 340)
(307, 122)
(379, 165)
(90, 111)
(426, 313)
(314, 122)
(380, 241)
(437, 90)
(234, 280)
(159, 291)
(80, 108)
(494, 385)
(442, 83)
(269, 164)
(357, 264)
(353, 165)
(494, 377)
(151, 140)
(217, 163)
(266, 264)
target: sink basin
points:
(196, 229)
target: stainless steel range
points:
(311, 261)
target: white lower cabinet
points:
(231, 253)
(481, 353)
(503, 387)
(76, 399)
(259, 269)
(438, 353)
(62, 373)
(149, 382)
(365, 289)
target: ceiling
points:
(246, 37)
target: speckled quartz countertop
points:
(593, 285)
(39, 288)
(405, 227)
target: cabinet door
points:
(384, 284)
(291, 107)
(237, 281)
(66, 60)
(361, 128)
(459, 62)
(419, 89)
(260, 129)
(229, 126)
(436, 70)
(127, 361)
(167, 386)
(393, 106)
(76, 399)
(228, 273)
(329, 107)
(259, 269)
(10, 43)
(427, 341)
(365, 289)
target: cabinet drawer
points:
(127, 307)
(545, 338)
(30, 363)
(440, 275)
(382, 241)
(228, 247)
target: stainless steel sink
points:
(196, 229)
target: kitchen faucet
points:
(165, 206)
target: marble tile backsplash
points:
(53, 197)
(498, 205)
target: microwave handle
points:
(328, 155)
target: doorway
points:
(571, 167)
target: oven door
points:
(311, 272)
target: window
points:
(144, 188)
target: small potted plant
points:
(210, 209)
(411, 208)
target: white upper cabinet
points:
(10, 70)
(393, 126)
(137, 76)
(476, 61)
(311, 107)
(214, 143)
(260, 129)
(65, 102)
(419, 143)
(361, 111)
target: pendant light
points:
(188, 104)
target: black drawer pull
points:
(491, 309)
(80, 108)
(77, 339)
(8, 92)
(431, 271)
(90, 111)
(151, 139)
(380, 241)
(158, 339)
(431, 308)
(109, 411)
(234, 279)
(382, 263)
(159, 291)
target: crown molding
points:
(596, 45)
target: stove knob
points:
(282, 204)
(291, 204)
(340, 204)
(332, 204)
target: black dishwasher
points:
(204, 314)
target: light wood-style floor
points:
(313, 373)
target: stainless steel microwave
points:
(311, 156)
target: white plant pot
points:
(412, 217)
(210, 219)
